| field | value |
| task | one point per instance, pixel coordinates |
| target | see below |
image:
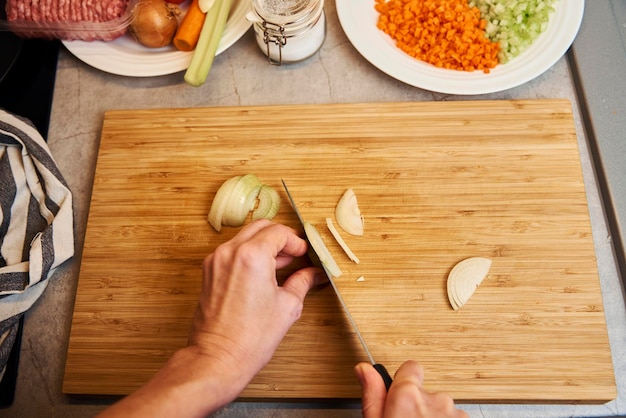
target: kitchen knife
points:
(315, 260)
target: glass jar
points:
(289, 31)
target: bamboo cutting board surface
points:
(436, 182)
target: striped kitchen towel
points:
(36, 223)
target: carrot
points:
(445, 33)
(189, 29)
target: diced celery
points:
(514, 24)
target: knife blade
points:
(315, 260)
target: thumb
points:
(374, 391)
(295, 289)
(301, 281)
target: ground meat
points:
(53, 10)
(26, 10)
(65, 19)
(12, 10)
(36, 10)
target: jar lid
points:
(286, 12)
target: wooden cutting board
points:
(436, 182)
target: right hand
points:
(406, 396)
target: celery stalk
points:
(209, 39)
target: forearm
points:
(189, 385)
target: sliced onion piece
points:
(340, 241)
(237, 197)
(348, 214)
(464, 278)
(269, 203)
(316, 241)
(220, 201)
(241, 200)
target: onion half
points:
(237, 197)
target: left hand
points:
(243, 314)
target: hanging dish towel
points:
(36, 223)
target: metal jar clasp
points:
(276, 37)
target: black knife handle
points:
(384, 374)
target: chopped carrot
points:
(189, 29)
(445, 33)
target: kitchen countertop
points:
(604, 103)
(241, 76)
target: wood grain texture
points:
(436, 182)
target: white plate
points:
(124, 56)
(358, 19)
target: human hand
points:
(406, 396)
(241, 317)
(243, 314)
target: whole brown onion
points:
(154, 23)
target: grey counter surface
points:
(598, 60)
(241, 76)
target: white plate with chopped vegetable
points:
(125, 56)
(358, 19)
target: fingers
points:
(411, 371)
(277, 238)
(374, 393)
(296, 287)
(260, 239)
(406, 394)
(250, 230)
(285, 238)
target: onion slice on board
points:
(241, 200)
(316, 241)
(464, 278)
(348, 214)
(220, 201)
(269, 203)
(340, 241)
